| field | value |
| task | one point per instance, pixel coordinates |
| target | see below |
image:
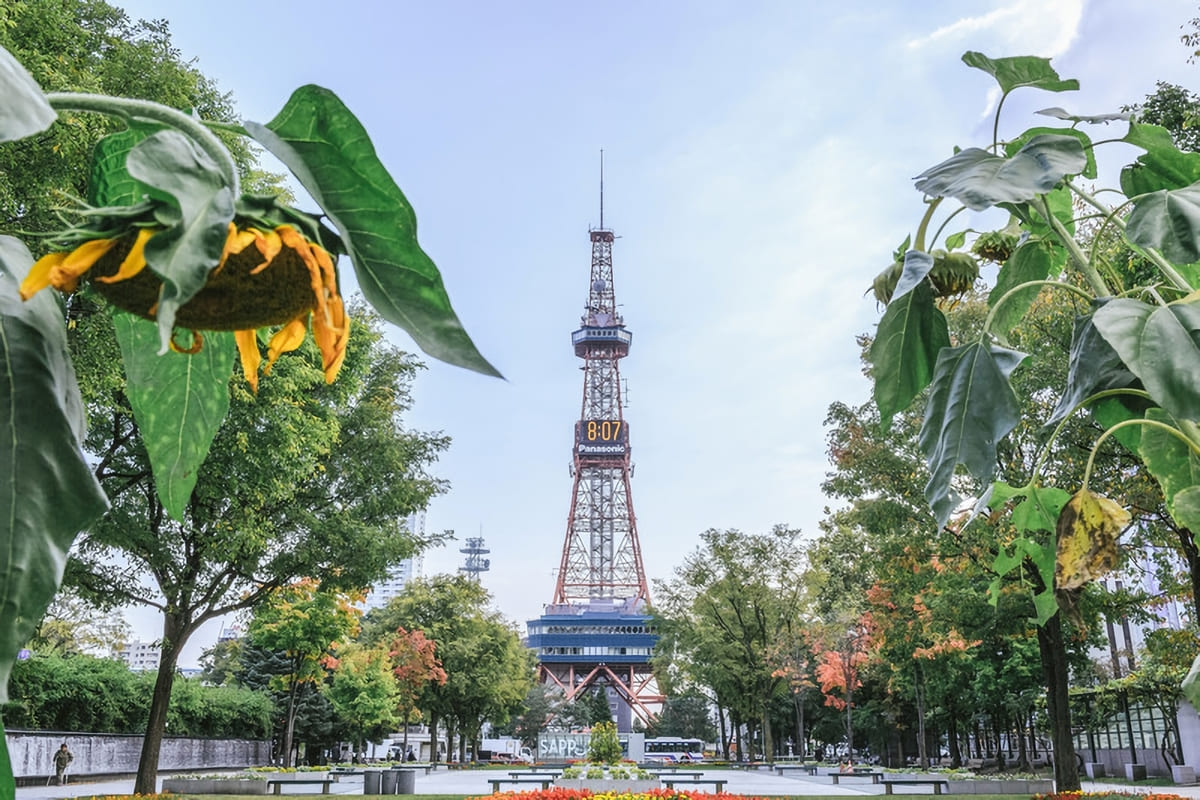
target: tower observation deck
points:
(595, 633)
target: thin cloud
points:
(1035, 27)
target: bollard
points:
(372, 780)
(406, 781)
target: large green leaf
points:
(1094, 367)
(1162, 166)
(1039, 507)
(1043, 558)
(8, 786)
(1168, 220)
(328, 150)
(1191, 684)
(1173, 464)
(916, 267)
(971, 408)
(24, 110)
(47, 491)
(197, 207)
(1161, 346)
(1112, 411)
(905, 349)
(110, 183)
(1017, 71)
(980, 180)
(1014, 146)
(1093, 119)
(1034, 260)
(179, 401)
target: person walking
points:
(61, 759)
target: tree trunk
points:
(919, 691)
(433, 740)
(724, 732)
(1054, 666)
(289, 724)
(801, 741)
(768, 736)
(952, 739)
(1191, 552)
(175, 633)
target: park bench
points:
(279, 783)
(533, 773)
(811, 769)
(718, 783)
(495, 782)
(874, 776)
(936, 783)
(414, 765)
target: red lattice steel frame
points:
(634, 683)
(601, 557)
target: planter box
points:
(1093, 769)
(213, 786)
(1135, 772)
(1029, 787)
(600, 786)
(317, 775)
(1183, 774)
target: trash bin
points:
(372, 781)
(406, 781)
(388, 785)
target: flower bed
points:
(214, 784)
(1106, 796)
(563, 793)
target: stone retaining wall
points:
(32, 753)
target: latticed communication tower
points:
(595, 633)
(475, 562)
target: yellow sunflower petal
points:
(39, 274)
(81, 259)
(287, 339)
(335, 355)
(268, 244)
(247, 345)
(135, 260)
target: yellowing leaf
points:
(1087, 539)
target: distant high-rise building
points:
(140, 656)
(398, 577)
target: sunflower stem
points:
(127, 108)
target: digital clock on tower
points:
(601, 436)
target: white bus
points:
(672, 750)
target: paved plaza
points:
(755, 783)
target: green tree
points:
(1123, 362)
(304, 478)
(544, 705)
(414, 666)
(687, 716)
(727, 607)
(603, 746)
(72, 625)
(221, 663)
(364, 693)
(303, 623)
(488, 670)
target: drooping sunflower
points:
(266, 277)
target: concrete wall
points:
(32, 753)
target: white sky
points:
(759, 157)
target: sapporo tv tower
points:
(595, 633)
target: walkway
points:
(753, 783)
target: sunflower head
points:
(267, 277)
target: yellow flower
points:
(265, 278)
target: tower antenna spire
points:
(601, 188)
